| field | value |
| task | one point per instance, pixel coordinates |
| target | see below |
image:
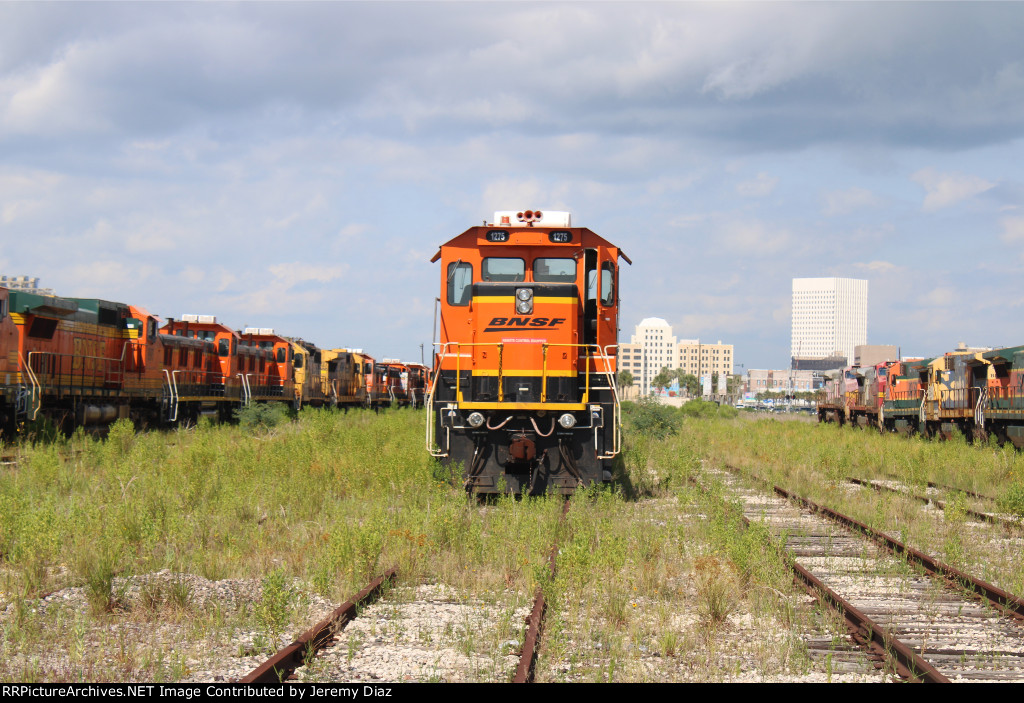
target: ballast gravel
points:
(427, 633)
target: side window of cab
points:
(460, 283)
(608, 284)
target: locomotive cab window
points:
(607, 283)
(503, 269)
(460, 280)
(42, 328)
(298, 361)
(554, 270)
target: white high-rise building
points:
(830, 317)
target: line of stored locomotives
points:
(81, 361)
(976, 393)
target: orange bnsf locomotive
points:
(523, 396)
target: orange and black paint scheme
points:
(523, 395)
(88, 362)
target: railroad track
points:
(931, 500)
(528, 659)
(408, 636)
(915, 620)
(284, 662)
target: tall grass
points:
(327, 501)
(331, 498)
(817, 461)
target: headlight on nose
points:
(524, 301)
(568, 420)
(475, 419)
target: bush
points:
(649, 417)
(261, 417)
(704, 408)
(1012, 499)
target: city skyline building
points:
(829, 318)
(653, 347)
(29, 284)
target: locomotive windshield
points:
(554, 270)
(503, 269)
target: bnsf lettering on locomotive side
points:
(506, 322)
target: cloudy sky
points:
(297, 165)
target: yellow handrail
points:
(458, 364)
(589, 351)
(586, 356)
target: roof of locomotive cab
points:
(469, 238)
(81, 309)
(251, 336)
(34, 303)
(300, 344)
(1003, 356)
(141, 313)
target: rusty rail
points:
(282, 664)
(535, 620)
(879, 642)
(1005, 602)
(984, 517)
(945, 487)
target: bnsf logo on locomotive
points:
(499, 324)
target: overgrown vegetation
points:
(818, 461)
(656, 570)
(261, 417)
(327, 502)
(654, 581)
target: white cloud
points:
(877, 267)
(1013, 230)
(753, 237)
(353, 231)
(758, 187)
(687, 221)
(291, 274)
(945, 189)
(671, 184)
(941, 296)
(510, 194)
(293, 286)
(843, 202)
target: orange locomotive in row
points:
(523, 396)
(88, 362)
